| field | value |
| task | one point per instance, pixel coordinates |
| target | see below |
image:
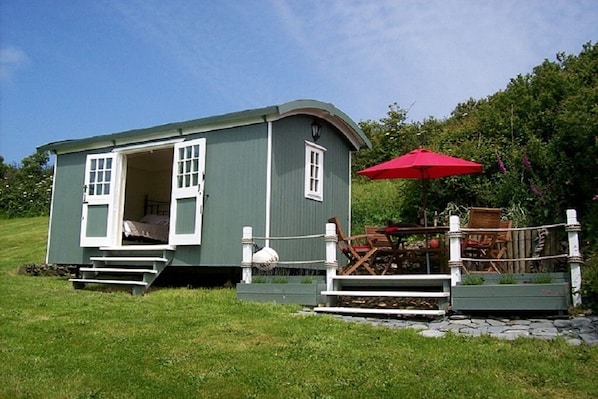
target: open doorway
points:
(147, 194)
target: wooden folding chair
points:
(380, 241)
(376, 239)
(358, 251)
(500, 245)
(479, 243)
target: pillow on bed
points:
(162, 220)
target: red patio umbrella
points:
(421, 164)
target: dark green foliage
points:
(537, 141)
(373, 203)
(589, 283)
(26, 190)
(472, 280)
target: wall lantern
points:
(315, 130)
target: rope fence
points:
(523, 250)
(303, 237)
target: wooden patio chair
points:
(502, 239)
(380, 241)
(358, 251)
(376, 239)
(480, 243)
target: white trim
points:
(110, 200)
(350, 196)
(268, 184)
(309, 193)
(195, 191)
(119, 200)
(312, 144)
(148, 146)
(51, 211)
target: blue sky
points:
(77, 68)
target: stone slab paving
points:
(576, 331)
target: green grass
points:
(23, 241)
(56, 342)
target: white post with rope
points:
(455, 261)
(246, 263)
(573, 228)
(331, 263)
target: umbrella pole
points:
(425, 223)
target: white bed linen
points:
(150, 226)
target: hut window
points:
(314, 171)
(99, 176)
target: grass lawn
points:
(56, 342)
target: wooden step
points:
(117, 270)
(128, 259)
(397, 294)
(99, 281)
(404, 312)
(407, 278)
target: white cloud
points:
(433, 53)
(359, 54)
(11, 60)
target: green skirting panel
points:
(544, 297)
(302, 294)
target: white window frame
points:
(314, 171)
(110, 178)
(191, 169)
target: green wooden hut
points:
(127, 205)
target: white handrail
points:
(330, 238)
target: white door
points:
(186, 205)
(99, 195)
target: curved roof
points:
(325, 111)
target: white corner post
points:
(455, 262)
(246, 263)
(331, 263)
(573, 228)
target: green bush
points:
(589, 283)
(507, 279)
(542, 278)
(374, 202)
(26, 189)
(472, 280)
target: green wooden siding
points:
(291, 213)
(235, 194)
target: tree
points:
(537, 140)
(26, 190)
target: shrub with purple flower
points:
(526, 162)
(501, 165)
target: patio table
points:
(397, 236)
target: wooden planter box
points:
(293, 291)
(523, 296)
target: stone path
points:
(575, 331)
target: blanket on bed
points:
(152, 227)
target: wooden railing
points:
(537, 249)
(531, 249)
